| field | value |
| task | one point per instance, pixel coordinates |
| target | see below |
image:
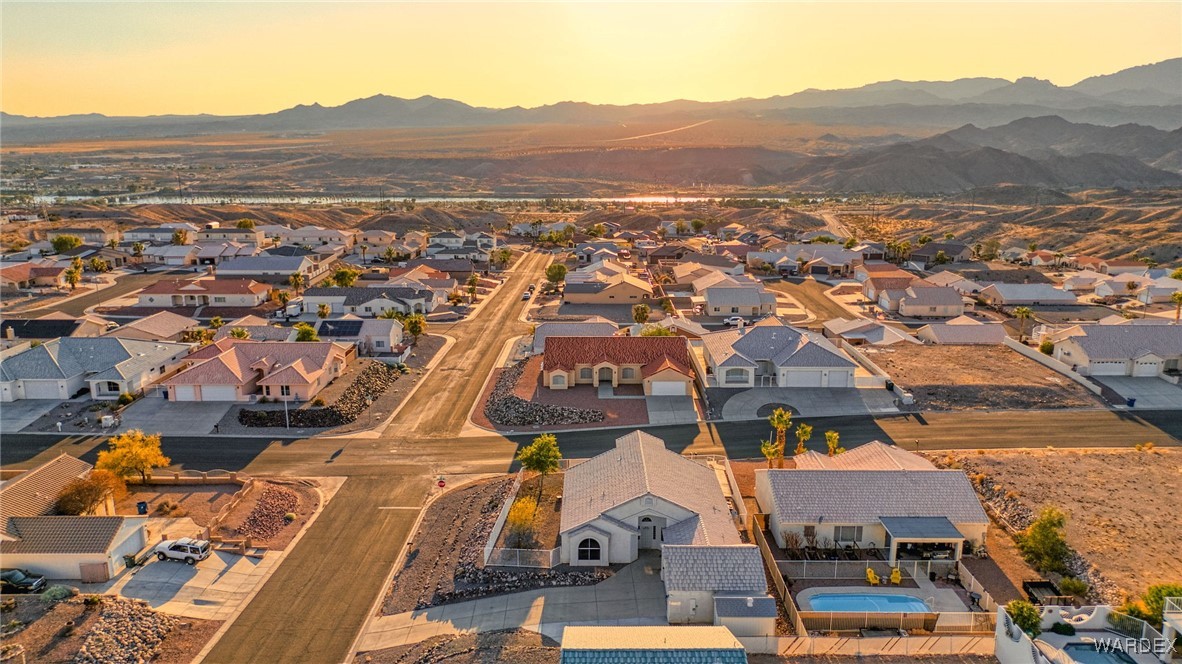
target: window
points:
(161, 368)
(847, 533)
(219, 299)
(932, 310)
(368, 310)
(285, 390)
(267, 390)
(810, 533)
(112, 386)
(734, 310)
(736, 375)
(589, 549)
(628, 373)
(585, 374)
(558, 379)
(379, 344)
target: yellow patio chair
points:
(896, 576)
(872, 578)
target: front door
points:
(652, 532)
(605, 375)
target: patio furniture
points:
(850, 552)
(896, 576)
(873, 551)
(872, 577)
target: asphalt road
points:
(123, 285)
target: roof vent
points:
(750, 602)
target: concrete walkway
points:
(633, 596)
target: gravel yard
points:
(978, 378)
(546, 523)
(199, 502)
(444, 562)
(517, 646)
(262, 513)
(1121, 505)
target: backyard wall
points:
(912, 646)
(1051, 363)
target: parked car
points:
(526, 295)
(734, 320)
(14, 581)
(186, 549)
(533, 287)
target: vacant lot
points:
(200, 502)
(1122, 505)
(977, 378)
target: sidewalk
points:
(633, 596)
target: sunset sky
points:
(237, 58)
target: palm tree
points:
(137, 249)
(833, 441)
(323, 311)
(364, 249)
(1022, 314)
(781, 421)
(216, 322)
(770, 450)
(803, 433)
(296, 281)
(284, 297)
(73, 276)
(1176, 298)
(240, 333)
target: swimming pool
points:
(1086, 653)
(867, 602)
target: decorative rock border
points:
(373, 381)
(504, 408)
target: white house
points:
(369, 302)
(1120, 350)
(172, 255)
(108, 366)
(1025, 294)
(771, 353)
(204, 292)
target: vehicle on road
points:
(187, 549)
(13, 581)
(734, 320)
(533, 287)
(526, 295)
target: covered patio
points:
(922, 538)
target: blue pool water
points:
(1086, 653)
(874, 603)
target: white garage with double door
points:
(46, 389)
(668, 388)
(803, 378)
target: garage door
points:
(803, 379)
(1109, 368)
(668, 388)
(42, 389)
(838, 379)
(219, 393)
(1146, 367)
(183, 393)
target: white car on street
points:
(734, 320)
(187, 549)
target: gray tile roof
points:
(1018, 293)
(772, 340)
(61, 534)
(935, 296)
(1117, 342)
(745, 606)
(735, 568)
(34, 493)
(664, 644)
(739, 296)
(267, 263)
(358, 295)
(100, 358)
(640, 465)
(862, 496)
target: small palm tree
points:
(216, 322)
(833, 441)
(364, 249)
(323, 311)
(284, 297)
(1176, 298)
(770, 450)
(296, 281)
(803, 433)
(781, 421)
(1022, 314)
(240, 333)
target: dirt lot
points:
(201, 502)
(978, 378)
(1121, 505)
(518, 646)
(261, 513)
(547, 519)
(45, 638)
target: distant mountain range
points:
(1148, 95)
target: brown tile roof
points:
(34, 493)
(206, 286)
(651, 353)
(62, 534)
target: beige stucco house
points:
(661, 364)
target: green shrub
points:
(1074, 587)
(1043, 544)
(289, 517)
(93, 600)
(1025, 616)
(126, 398)
(56, 594)
(1046, 348)
(8, 605)
(318, 402)
(1063, 628)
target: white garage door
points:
(838, 379)
(1146, 367)
(183, 393)
(42, 389)
(803, 379)
(668, 388)
(219, 393)
(1109, 368)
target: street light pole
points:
(286, 417)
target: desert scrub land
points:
(978, 378)
(1121, 506)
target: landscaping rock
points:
(507, 409)
(374, 381)
(126, 631)
(267, 518)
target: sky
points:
(229, 58)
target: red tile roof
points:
(207, 286)
(652, 353)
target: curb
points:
(505, 350)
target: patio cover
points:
(920, 528)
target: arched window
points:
(585, 373)
(589, 549)
(736, 375)
(646, 520)
(558, 379)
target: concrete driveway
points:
(174, 418)
(16, 415)
(633, 596)
(1150, 393)
(670, 410)
(810, 401)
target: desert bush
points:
(1043, 544)
(93, 600)
(318, 402)
(1025, 616)
(1046, 348)
(125, 398)
(289, 517)
(55, 594)
(520, 521)
(8, 605)
(1063, 628)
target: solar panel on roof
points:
(342, 328)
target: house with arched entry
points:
(661, 365)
